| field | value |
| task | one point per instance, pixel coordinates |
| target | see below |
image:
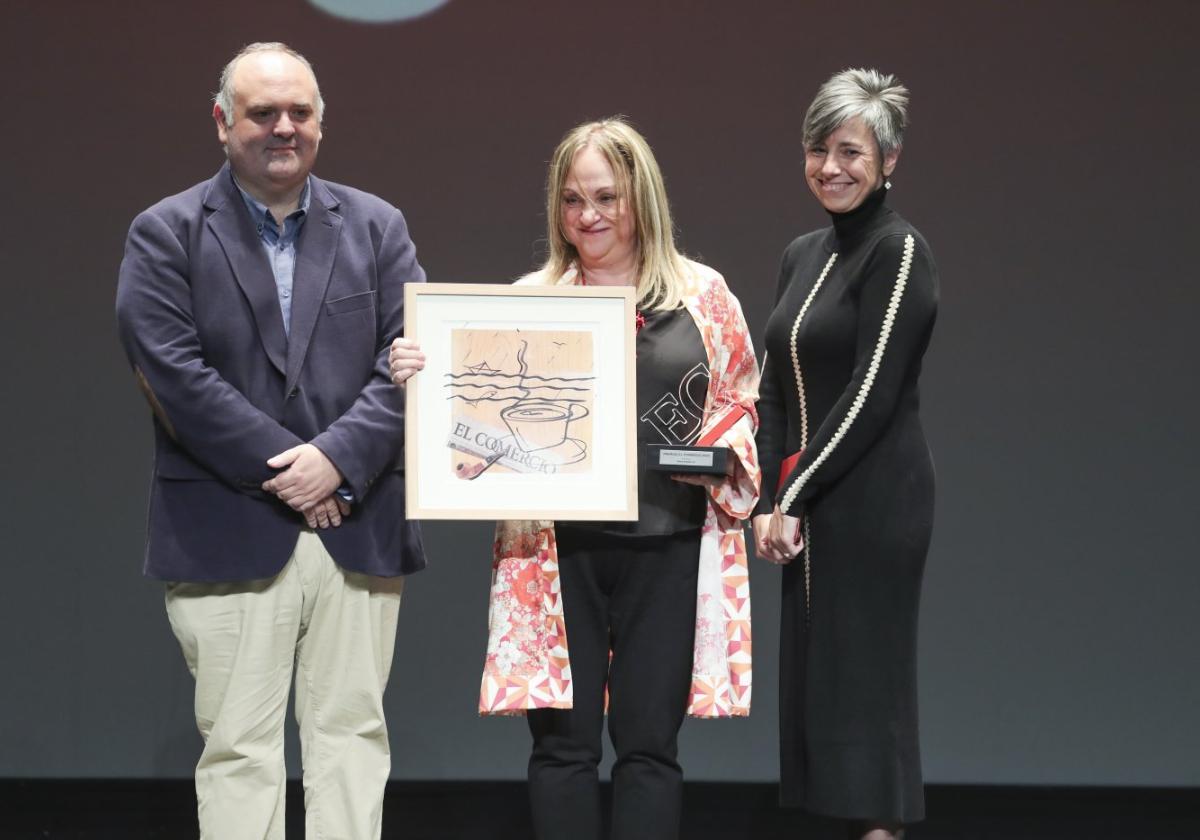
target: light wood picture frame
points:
(526, 407)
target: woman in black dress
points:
(850, 517)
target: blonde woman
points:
(653, 613)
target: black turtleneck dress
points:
(853, 316)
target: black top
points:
(672, 382)
(849, 395)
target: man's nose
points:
(284, 126)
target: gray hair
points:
(223, 98)
(878, 98)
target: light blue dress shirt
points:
(279, 246)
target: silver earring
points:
(887, 185)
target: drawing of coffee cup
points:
(539, 424)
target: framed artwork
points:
(526, 406)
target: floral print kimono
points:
(528, 662)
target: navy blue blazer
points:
(199, 317)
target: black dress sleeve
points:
(897, 306)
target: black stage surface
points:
(141, 810)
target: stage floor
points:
(164, 810)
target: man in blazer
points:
(257, 309)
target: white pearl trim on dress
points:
(860, 398)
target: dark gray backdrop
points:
(1051, 164)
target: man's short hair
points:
(223, 98)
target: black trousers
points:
(635, 596)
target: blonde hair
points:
(640, 185)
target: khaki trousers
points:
(241, 641)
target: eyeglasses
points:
(606, 203)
